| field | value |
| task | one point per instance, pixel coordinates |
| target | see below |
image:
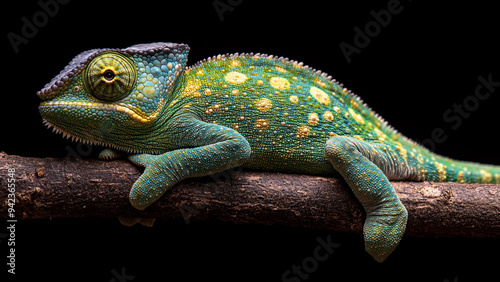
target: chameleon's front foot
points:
(158, 176)
(386, 216)
(214, 148)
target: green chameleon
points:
(250, 110)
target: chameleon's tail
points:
(442, 169)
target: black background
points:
(423, 62)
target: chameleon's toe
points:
(383, 231)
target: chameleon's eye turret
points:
(110, 76)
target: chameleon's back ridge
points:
(250, 110)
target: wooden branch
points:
(75, 188)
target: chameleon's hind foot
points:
(358, 162)
(383, 230)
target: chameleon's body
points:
(248, 110)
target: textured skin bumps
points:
(250, 110)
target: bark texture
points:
(75, 188)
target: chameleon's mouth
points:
(131, 111)
(73, 137)
(68, 135)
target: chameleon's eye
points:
(110, 76)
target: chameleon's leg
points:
(210, 148)
(110, 154)
(359, 163)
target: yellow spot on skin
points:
(173, 102)
(313, 119)
(200, 72)
(420, 159)
(191, 90)
(294, 99)
(357, 117)
(235, 92)
(328, 116)
(280, 69)
(402, 151)
(486, 176)
(303, 131)
(319, 82)
(441, 171)
(260, 82)
(235, 126)
(380, 134)
(235, 63)
(460, 177)
(149, 92)
(358, 137)
(279, 83)
(331, 134)
(354, 104)
(208, 92)
(336, 109)
(320, 96)
(261, 124)
(263, 104)
(235, 77)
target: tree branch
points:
(75, 188)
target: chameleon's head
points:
(113, 96)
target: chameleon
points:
(251, 110)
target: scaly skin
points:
(248, 110)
